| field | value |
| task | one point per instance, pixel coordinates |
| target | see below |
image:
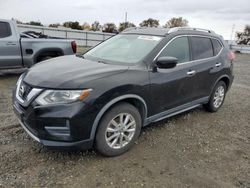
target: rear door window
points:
(217, 46)
(201, 48)
(5, 30)
(178, 48)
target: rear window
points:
(217, 46)
(4, 29)
(201, 48)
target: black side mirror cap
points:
(166, 62)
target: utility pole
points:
(126, 19)
(231, 38)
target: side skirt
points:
(176, 110)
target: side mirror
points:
(166, 62)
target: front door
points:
(10, 52)
(171, 88)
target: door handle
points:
(191, 72)
(217, 64)
(10, 44)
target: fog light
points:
(63, 131)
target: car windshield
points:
(123, 48)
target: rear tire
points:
(118, 130)
(45, 58)
(217, 97)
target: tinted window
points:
(4, 29)
(201, 48)
(178, 48)
(217, 46)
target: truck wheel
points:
(44, 58)
(217, 97)
(118, 130)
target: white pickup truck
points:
(16, 51)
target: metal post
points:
(86, 39)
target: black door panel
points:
(171, 87)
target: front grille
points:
(24, 90)
(25, 93)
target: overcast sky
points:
(218, 15)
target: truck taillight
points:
(74, 46)
(231, 56)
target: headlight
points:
(20, 79)
(62, 96)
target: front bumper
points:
(57, 126)
(85, 144)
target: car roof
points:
(166, 31)
(147, 31)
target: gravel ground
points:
(194, 149)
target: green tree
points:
(109, 28)
(96, 26)
(244, 37)
(150, 23)
(36, 23)
(72, 25)
(125, 25)
(176, 22)
(55, 25)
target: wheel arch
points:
(224, 78)
(48, 51)
(133, 99)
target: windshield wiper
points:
(80, 56)
(101, 61)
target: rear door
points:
(10, 52)
(206, 64)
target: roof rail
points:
(134, 28)
(129, 29)
(174, 29)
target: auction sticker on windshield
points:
(154, 38)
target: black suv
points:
(103, 98)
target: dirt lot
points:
(195, 149)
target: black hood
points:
(69, 72)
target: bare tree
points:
(109, 28)
(176, 22)
(125, 25)
(150, 23)
(96, 26)
(244, 37)
(86, 26)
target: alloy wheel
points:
(120, 130)
(219, 96)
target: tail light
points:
(74, 46)
(231, 56)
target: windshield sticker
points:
(149, 38)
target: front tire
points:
(118, 130)
(217, 97)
